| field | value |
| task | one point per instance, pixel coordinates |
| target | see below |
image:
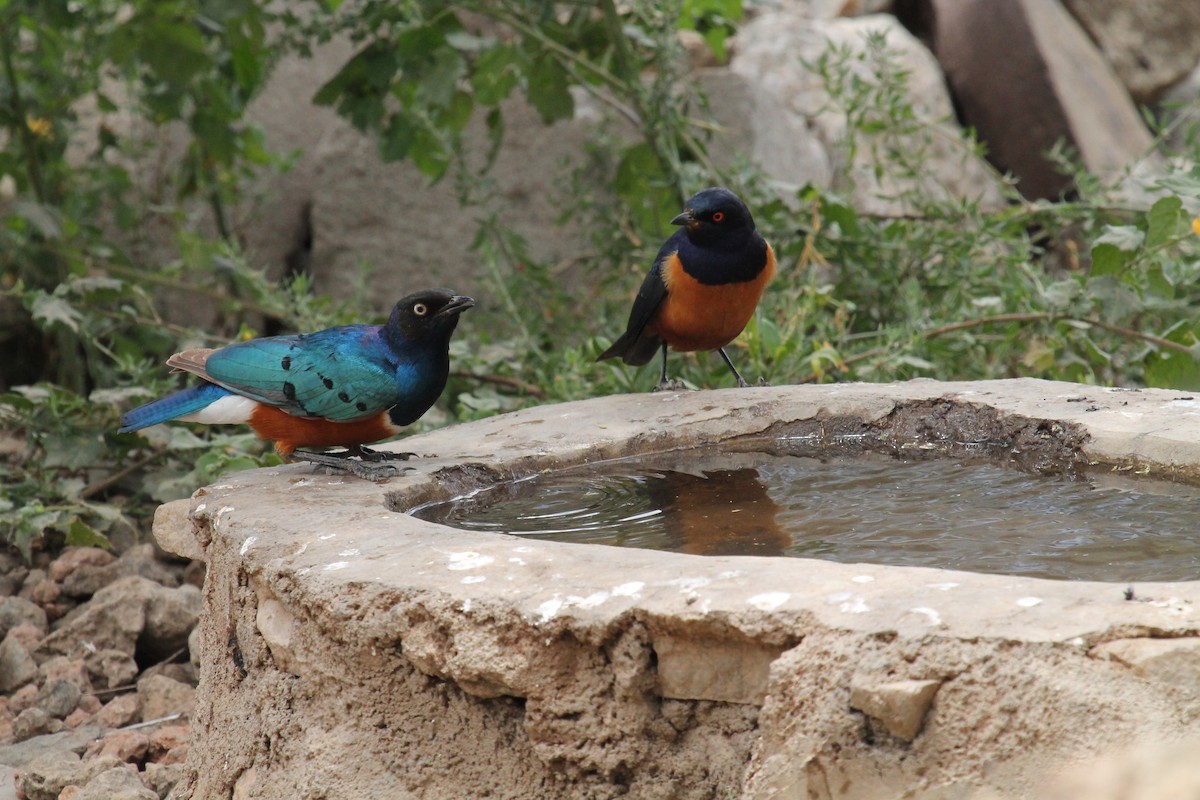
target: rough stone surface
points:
(899, 706)
(117, 783)
(125, 746)
(791, 126)
(161, 778)
(1174, 661)
(113, 620)
(1151, 44)
(172, 517)
(544, 655)
(161, 697)
(17, 667)
(109, 669)
(1025, 76)
(33, 722)
(16, 611)
(58, 697)
(21, 753)
(170, 616)
(120, 711)
(46, 777)
(75, 557)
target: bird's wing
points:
(339, 374)
(634, 345)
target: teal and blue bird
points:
(340, 387)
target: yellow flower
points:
(41, 128)
(1196, 225)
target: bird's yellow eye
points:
(718, 216)
(420, 309)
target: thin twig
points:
(115, 477)
(1128, 333)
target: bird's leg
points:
(741, 382)
(341, 462)
(664, 384)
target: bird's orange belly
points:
(699, 316)
(290, 433)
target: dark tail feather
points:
(173, 406)
(634, 350)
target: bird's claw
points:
(344, 461)
(670, 385)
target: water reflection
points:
(725, 512)
(950, 513)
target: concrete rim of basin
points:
(301, 540)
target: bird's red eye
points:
(718, 216)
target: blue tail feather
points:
(173, 406)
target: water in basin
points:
(955, 513)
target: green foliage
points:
(1099, 289)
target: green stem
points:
(21, 119)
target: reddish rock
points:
(76, 557)
(177, 755)
(67, 669)
(118, 712)
(22, 698)
(44, 592)
(77, 717)
(167, 739)
(162, 697)
(111, 668)
(128, 746)
(90, 703)
(26, 633)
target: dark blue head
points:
(427, 318)
(716, 217)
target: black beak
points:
(686, 218)
(458, 304)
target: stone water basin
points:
(349, 649)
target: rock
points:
(75, 557)
(44, 592)
(138, 561)
(79, 716)
(109, 669)
(170, 617)
(127, 746)
(17, 667)
(119, 712)
(27, 634)
(161, 778)
(32, 579)
(16, 611)
(22, 698)
(163, 697)
(194, 647)
(70, 669)
(174, 532)
(789, 123)
(167, 739)
(58, 698)
(12, 574)
(182, 672)
(194, 573)
(118, 783)
(900, 706)
(1026, 76)
(1173, 661)
(22, 753)
(1151, 44)
(177, 755)
(46, 777)
(33, 722)
(112, 620)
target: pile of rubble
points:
(95, 674)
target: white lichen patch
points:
(687, 585)
(591, 601)
(630, 589)
(326, 536)
(474, 579)
(348, 553)
(336, 565)
(549, 609)
(468, 560)
(246, 545)
(942, 587)
(863, 578)
(768, 600)
(934, 617)
(855, 605)
(1029, 602)
(520, 562)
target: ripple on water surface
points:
(954, 513)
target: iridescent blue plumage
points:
(322, 389)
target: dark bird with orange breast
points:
(340, 387)
(703, 288)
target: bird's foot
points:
(343, 462)
(367, 454)
(744, 384)
(670, 385)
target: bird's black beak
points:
(686, 218)
(458, 304)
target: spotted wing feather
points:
(340, 374)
